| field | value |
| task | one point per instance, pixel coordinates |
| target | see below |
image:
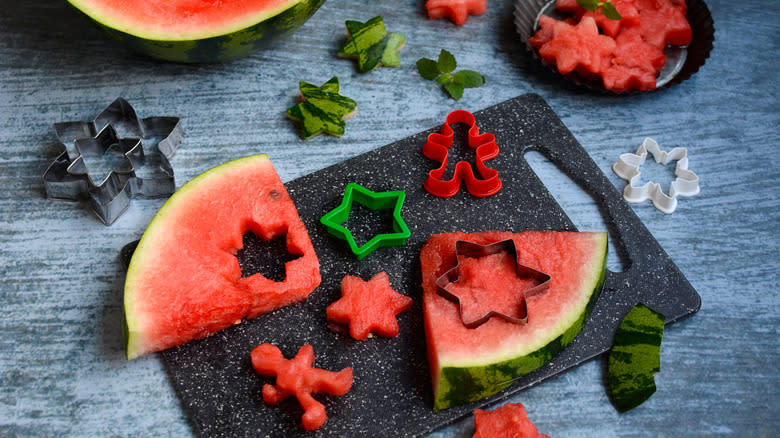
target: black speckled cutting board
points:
(391, 394)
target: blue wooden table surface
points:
(62, 369)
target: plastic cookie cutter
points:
(437, 148)
(465, 248)
(141, 170)
(393, 200)
(686, 182)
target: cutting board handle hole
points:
(580, 206)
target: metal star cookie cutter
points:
(115, 128)
(464, 248)
(437, 148)
(686, 182)
(393, 200)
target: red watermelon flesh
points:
(184, 281)
(470, 364)
(635, 64)
(508, 421)
(663, 22)
(578, 47)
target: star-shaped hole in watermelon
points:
(264, 257)
(368, 306)
(488, 281)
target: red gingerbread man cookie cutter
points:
(437, 148)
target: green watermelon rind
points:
(133, 345)
(225, 46)
(635, 357)
(485, 377)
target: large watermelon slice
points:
(470, 364)
(197, 30)
(184, 281)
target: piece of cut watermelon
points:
(663, 22)
(368, 306)
(579, 47)
(635, 65)
(184, 281)
(470, 364)
(457, 11)
(508, 421)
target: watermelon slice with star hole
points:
(468, 364)
(186, 280)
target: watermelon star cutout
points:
(578, 47)
(368, 306)
(298, 377)
(468, 284)
(372, 45)
(392, 201)
(322, 109)
(457, 11)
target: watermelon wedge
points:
(197, 30)
(184, 280)
(469, 364)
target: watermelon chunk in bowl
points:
(666, 27)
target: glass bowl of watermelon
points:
(654, 44)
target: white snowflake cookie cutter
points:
(686, 182)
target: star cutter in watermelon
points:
(464, 248)
(392, 200)
(437, 148)
(68, 177)
(686, 183)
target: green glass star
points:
(322, 109)
(394, 200)
(371, 44)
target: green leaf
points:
(610, 11)
(372, 45)
(454, 90)
(589, 5)
(444, 78)
(428, 68)
(469, 78)
(446, 62)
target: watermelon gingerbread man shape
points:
(368, 306)
(298, 377)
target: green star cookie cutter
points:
(392, 200)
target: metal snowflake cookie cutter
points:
(464, 248)
(392, 200)
(686, 183)
(437, 148)
(146, 145)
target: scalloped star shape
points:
(372, 45)
(457, 11)
(368, 306)
(322, 109)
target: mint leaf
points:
(446, 62)
(589, 5)
(428, 68)
(454, 89)
(610, 11)
(469, 78)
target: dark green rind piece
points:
(322, 109)
(221, 48)
(372, 45)
(635, 357)
(460, 385)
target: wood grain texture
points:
(62, 371)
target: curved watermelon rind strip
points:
(220, 48)
(461, 385)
